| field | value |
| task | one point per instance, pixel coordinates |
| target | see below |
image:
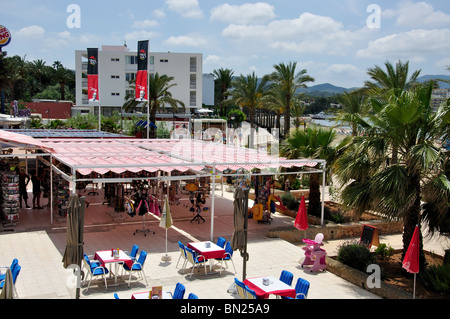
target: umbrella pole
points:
(414, 289)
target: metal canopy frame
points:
(209, 169)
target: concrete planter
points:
(360, 278)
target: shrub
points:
(355, 255)
(384, 252)
(437, 278)
(290, 201)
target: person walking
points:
(36, 180)
(24, 179)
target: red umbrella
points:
(301, 220)
(411, 259)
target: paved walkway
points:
(39, 247)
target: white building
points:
(118, 65)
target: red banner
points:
(92, 74)
(141, 76)
(93, 88)
(141, 86)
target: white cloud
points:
(413, 44)
(158, 13)
(307, 33)
(418, 14)
(145, 24)
(187, 8)
(248, 13)
(212, 59)
(139, 35)
(186, 41)
(31, 31)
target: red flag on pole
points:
(411, 260)
(92, 74)
(141, 93)
(301, 220)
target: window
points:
(163, 60)
(115, 77)
(152, 60)
(130, 77)
(115, 59)
(115, 94)
(131, 59)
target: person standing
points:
(24, 179)
(36, 180)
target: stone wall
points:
(336, 231)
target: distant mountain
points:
(327, 89)
(324, 89)
(442, 85)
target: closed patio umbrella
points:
(8, 286)
(301, 220)
(166, 222)
(73, 255)
(411, 259)
(239, 238)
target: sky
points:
(336, 41)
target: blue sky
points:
(336, 41)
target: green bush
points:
(290, 201)
(437, 278)
(384, 252)
(355, 255)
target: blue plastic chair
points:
(228, 256)
(94, 270)
(301, 288)
(137, 267)
(221, 242)
(240, 288)
(250, 293)
(134, 251)
(192, 296)
(286, 277)
(116, 296)
(194, 259)
(182, 254)
(13, 264)
(179, 291)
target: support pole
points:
(212, 202)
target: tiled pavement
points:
(39, 246)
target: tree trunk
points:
(314, 206)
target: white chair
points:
(137, 267)
(94, 270)
(182, 255)
(195, 259)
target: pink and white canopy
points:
(135, 155)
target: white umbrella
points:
(166, 222)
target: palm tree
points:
(289, 81)
(316, 144)
(223, 80)
(248, 93)
(393, 81)
(354, 108)
(396, 189)
(159, 96)
(62, 76)
(297, 110)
